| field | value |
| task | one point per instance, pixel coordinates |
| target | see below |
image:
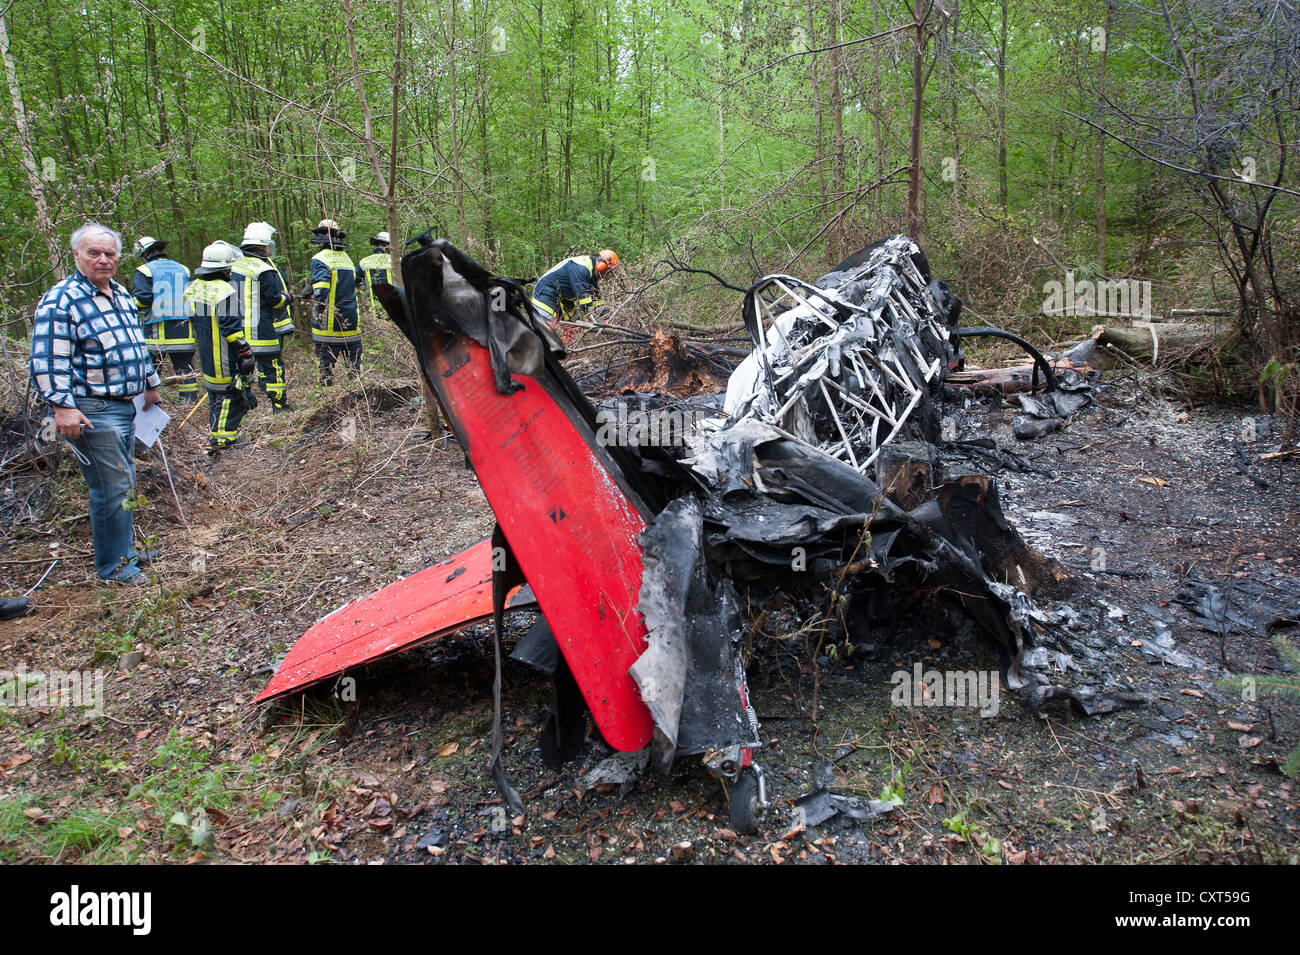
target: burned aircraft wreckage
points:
(818, 483)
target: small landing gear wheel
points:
(743, 806)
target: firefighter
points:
(572, 284)
(335, 328)
(225, 356)
(159, 290)
(264, 300)
(376, 269)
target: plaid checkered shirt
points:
(88, 344)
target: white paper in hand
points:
(149, 422)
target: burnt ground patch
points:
(1140, 501)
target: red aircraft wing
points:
(442, 599)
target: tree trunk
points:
(43, 224)
(1101, 154)
(914, 149)
(165, 138)
(1002, 111)
(840, 239)
(458, 181)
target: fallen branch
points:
(1005, 380)
(708, 329)
(1144, 342)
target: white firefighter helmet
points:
(147, 243)
(260, 233)
(379, 238)
(218, 257)
(329, 234)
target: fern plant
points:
(1278, 684)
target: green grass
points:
(86, 830)
(15, 828)
(85, 835)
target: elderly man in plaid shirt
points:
(89, 360)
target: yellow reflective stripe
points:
(156, 335)
(217, 370)
(320, 284)
(329, 314)
(277, 384)
(250, 317)
(234, 336)
(542, 306)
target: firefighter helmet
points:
(260, 233)
(328, 233)
(379, 238)
(607, 260)
(218, 257)
(146, 244)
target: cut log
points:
(1006, 381)
(1147, 341)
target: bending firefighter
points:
(264, 300)
(335, 328)
(572, 284)
(224, 355)
(375, 269)
(159, 290)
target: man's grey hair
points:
(89, 228)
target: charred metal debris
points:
(818, 484)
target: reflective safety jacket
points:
(571, 284)
(218, 322)
(159, 289)
(264, 302)
(334, 285)
(375, 269)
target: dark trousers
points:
(226, 409)
(270, 372)
(329, 353)
(182, 364)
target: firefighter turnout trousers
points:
(270, 375)
(328, 355)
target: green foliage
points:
(990, 847)
(528, 132)
(1284, 685)
(892, 791)
(186, 783)
(64, 754)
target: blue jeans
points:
(109, 470)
